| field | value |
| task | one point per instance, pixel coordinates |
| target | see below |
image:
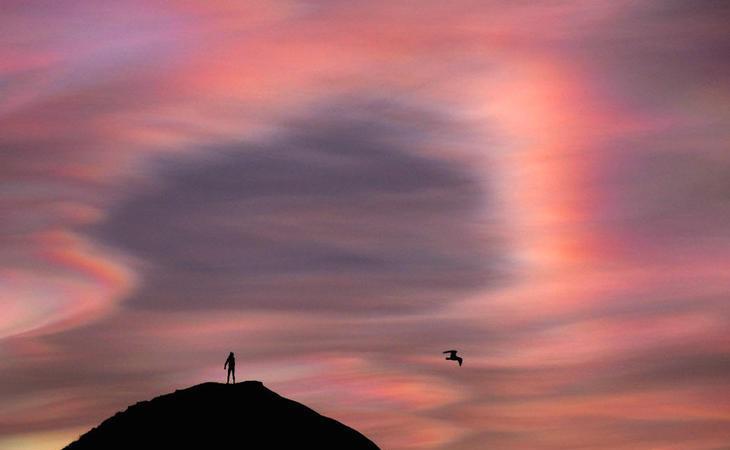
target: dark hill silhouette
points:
(213, 415)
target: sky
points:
(339, 191)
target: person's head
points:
(230, 354)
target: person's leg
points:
(228, 376)
(233, 372)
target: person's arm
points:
(225, 365)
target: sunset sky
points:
(338, 191)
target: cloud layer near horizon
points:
(340, 191)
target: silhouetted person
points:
(452, 356)
(231, 364)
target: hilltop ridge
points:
(245, 415)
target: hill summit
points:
(213, 415)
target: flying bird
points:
(452, 356)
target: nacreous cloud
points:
(340, 212)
